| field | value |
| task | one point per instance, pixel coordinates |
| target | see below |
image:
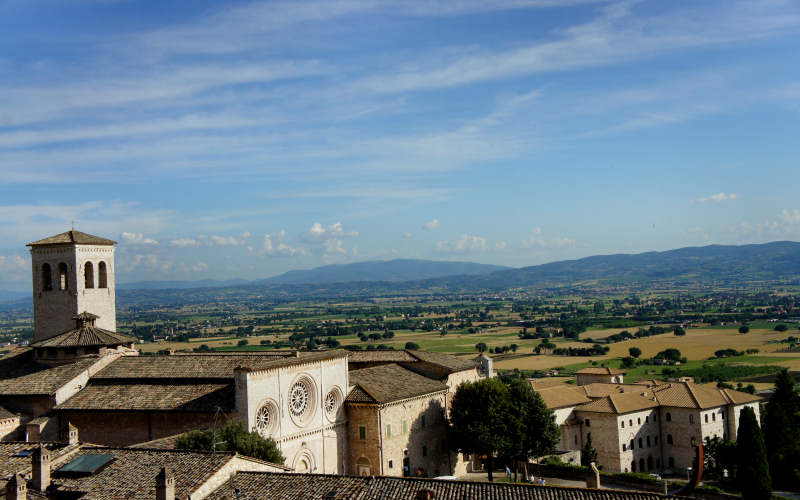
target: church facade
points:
(327, 415)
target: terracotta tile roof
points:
(386, 383)
(599, 390)
(619, 403)
(448, 361)
(198, 397)
(562, 396)
(691, 395)
(86, 336)
(600, 370)
(20, 375)
(542, 383)
(207, 366)
(252, 485)
(388, 356)
(132, 473)
(164, 443)
(73, 236)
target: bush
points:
(679, 331)
(242, 343)
(781, 327)
(744, 329)
(232, 437)
(412, 346)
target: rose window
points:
(265, 419)
(298, 399)
(330, 403)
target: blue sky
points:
(244, 139)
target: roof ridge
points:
(613, 404)
(693, 395)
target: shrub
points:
(233, 437)
(412, 346)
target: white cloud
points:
(13, 263)
(465, 243)
(718, 198)
(137, 239)
(203, 240)
(791, 216)
(334, 246)
(318, 233)
(431, 224)
(501, 245)
(537, 240)
(408, 235)
(200, 267)
(274, 244)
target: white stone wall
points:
(639, 441)
(311, 443)
(684, 425)
(53, 309)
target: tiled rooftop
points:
(386, 383)
(600, 370)
(132, 473)
(73, 236)
(253, 485)
(196, 397)
(619, 403)
(19, 374)
(86, 336)
(203, 366)
(387, 356)
(10, 464)
(563, 395)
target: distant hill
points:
(10, 295)
(180, 285)
(396, 270)
(776, 261)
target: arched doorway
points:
(363, 467)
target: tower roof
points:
(73, 237)
(85, 333)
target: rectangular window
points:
(405, 427)
(422, 421)
(391, 464)
(424, 451)
(624, 447)
(388, 430)
(587, 422)
(622, 424)
(362, 433)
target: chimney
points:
(16, 488)
(165, 485)
(40, 469)
(72, 434)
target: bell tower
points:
(73, 272)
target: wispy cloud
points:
(431, 224)
(718, 198)
(137, 239)
(537, 240)
(464, 244)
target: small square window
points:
(587, 422)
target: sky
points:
(244, 139)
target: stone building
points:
(599, 374)
(79, 372)
(644, 427)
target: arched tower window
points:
(62, 277)
(47, 277)
(88, 275)
(102, 275)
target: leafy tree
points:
(233, 437)
(679, 331)
(388, 335)
(588, 452)
(482, 420)
(628, 362)
(670, 354)
(412, 346)
(781, 328)
(719, 456)
(782, 432)
(536, 433)
(480, 347)
(635, 352)
(744, 329)
(752, 472)
(514, 347)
